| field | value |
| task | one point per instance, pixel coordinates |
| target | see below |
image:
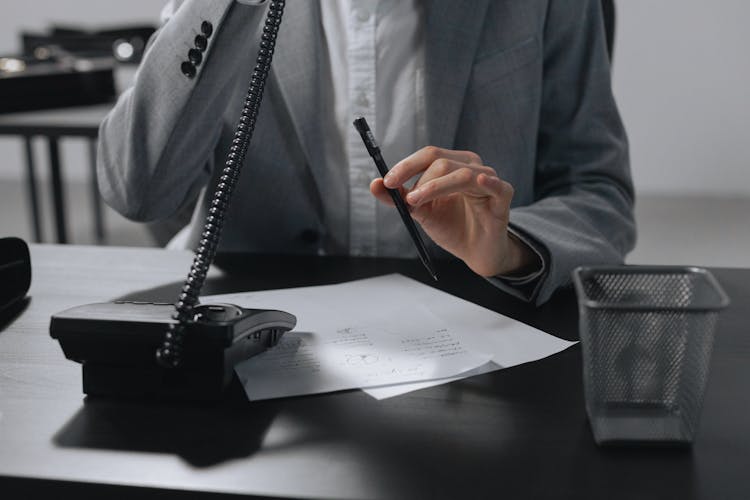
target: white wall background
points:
(682, 81)
(681, 77)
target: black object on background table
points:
(126, 44)
(515, 433)
(59, 81)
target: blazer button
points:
(207, 29)
(195, 56)
(188, 69)
(309, 236)
(201, 42)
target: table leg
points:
(57, 190)
(36, 215)
(96, 200)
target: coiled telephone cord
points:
(169, 354)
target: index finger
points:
(419, 161)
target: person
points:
(512, 155)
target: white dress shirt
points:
(375, 49)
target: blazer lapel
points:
(296, 69)
(451, 38)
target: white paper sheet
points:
(331, 358)
(385, 311)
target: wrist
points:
(521, 259)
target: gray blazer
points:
(523, 83)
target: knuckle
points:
(508, 189)
(432, 152)
(441, 166)
(473, 157)
(428, 189)
(464, 175)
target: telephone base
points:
(116, 342)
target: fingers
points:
(423, 159)
(467, 181)
(443, 172)
(381, 192)
(443, 167)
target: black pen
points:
(372, 147)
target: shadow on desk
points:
(202, 435)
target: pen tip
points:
(434, 276)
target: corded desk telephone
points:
(115, 343)
(184, 350)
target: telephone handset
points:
(183, 350)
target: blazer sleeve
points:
(155, 146)
(583, 209)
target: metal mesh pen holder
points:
(646, 335)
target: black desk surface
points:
(516, 433)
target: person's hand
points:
(462, 205)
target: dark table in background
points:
(54, 125)
(515, 433)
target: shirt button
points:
(363, 15)
(362, 100)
